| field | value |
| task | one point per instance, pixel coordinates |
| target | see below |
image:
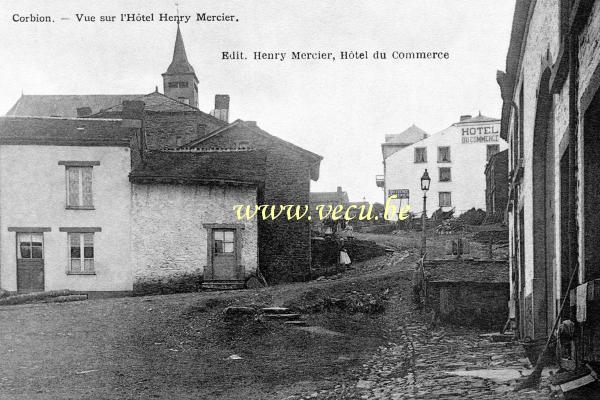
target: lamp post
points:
(425, 181)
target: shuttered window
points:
(79, 187)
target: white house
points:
(64, 205)
(84, 206)
(455, 159)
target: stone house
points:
(172, 120)
(111, 216)
(284, 245)
(496, 184)
(551, 105)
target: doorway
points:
(30, 262)
(224, 254)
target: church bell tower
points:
(180, 81)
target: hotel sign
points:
(401, 193)
(480, 134)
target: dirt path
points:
(180, 346)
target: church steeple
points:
(180, 81)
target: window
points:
(184, 100)
(81, 252)
(445, 199)
(30, 245)
(178, 84)
(445, 175)
(420, 154)
(491, 150)
(79, 187)
(443, 154)
(178, 141)
(224, 240)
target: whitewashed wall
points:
(33, 194)
(169, 239)
(468, 161)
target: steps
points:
(282, 314)
(223, 285)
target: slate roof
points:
(180, 63)
(65, 105)
(479, 118)
(409, 136)
(156, 102)
(189, 167)
(328, 197)
(63, 131)
(197, 142)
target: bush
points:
(473, 216)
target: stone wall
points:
(480, 304)
(284, 246)
(169, 242)
(163, 129)
(589, 49)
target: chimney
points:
(83, 112)
(222, 107)
(339, 190)
(464, 117)
(133, 118)
(200, 130)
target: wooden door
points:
(224, 255)
(30, 262)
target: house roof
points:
(180, 63)
(253, 128)
(65, 105)
(63, 131)
(158, 102)
(410, 135)
(478, 119)
(201, 167)
(328, 197)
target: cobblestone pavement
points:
(444, 363)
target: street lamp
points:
(425, 181)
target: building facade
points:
(173, 121)
(70, 230)
(107, 215)
(551, 104)
(455, 159)
(284, 245)
(496, 184)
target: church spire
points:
(180, 63)
(180, 81)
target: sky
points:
(339, 109)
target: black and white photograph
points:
(295, 200)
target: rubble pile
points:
(449, 226)
(350, 302)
